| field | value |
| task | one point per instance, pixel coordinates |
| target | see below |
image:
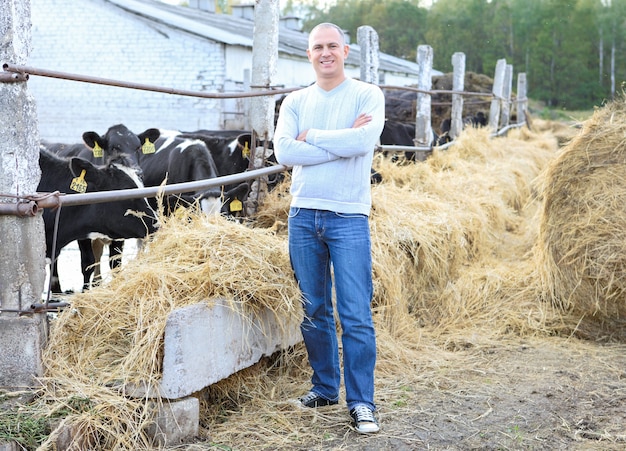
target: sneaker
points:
(312, 399)
(364, 420)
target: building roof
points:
(238, 31)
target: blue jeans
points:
(317, 240)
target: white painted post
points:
(264, 63)
(22, 260)
(505, 113)
(522, 101)
(367, 39)
(458, 84)
(423, 126)
(497, 90)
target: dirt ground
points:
(522, 394)
(541, 394)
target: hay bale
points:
(581, 249)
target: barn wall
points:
(97, 38)
(92, 37)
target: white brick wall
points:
(95, 38)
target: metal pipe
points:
(49, 306)
(122, 84)
(55, 200)
(134, 193)
(398, 148)
(37, 308)
(19, 209)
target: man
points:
(327, 132)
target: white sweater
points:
(331, 170)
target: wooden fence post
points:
(522, 102)
(423, 126)
(458, 84)
(367, 38)
(497, 90)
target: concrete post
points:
(497, 90)
(22, 242)
(264, 69)
(522, 101)
(505, 114)
(458, 85)
(423, 125)
(367, 39)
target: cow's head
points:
(122, 146)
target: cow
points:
(133, 218)
(178, 159)
(118, 145)
(477, 120)
(232, 151)
(403, 134)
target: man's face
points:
(327, 52)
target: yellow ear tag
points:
(246, 151)
(148, 147)
(78, 183)
(97, 151)
(236, 205)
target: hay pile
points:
(452, 241)
(113, 335)
(581, 250)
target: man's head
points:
(327, 53)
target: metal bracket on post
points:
(12, 77)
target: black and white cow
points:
(179, 160)
(118, 145)
(232, 151)
(133, 218)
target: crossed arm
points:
(361, 120)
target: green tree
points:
(572, 51)
(400, 24)
(461, 26)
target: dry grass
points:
(477, 244)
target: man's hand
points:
(361, 120)
(302, 135)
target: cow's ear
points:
(94, 142)
(245, 141)
(84, 173)
(77, 165)
(152, 134)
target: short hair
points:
(328, 25)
